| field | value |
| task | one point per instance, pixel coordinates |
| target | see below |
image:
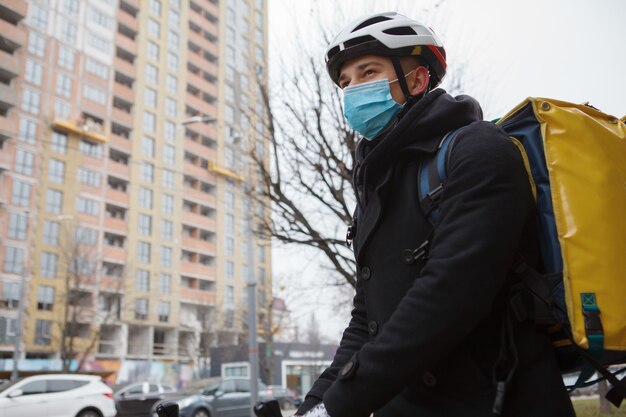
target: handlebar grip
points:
(168, 409)
(269, 408)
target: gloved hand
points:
(317, 411)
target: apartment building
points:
(125, 131)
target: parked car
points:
(57, 395)
(136, 400)
(225, 398)
(285, 397)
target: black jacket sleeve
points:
(486, 203)
(353, 338)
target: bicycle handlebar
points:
(269, 408)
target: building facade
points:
(126, 214)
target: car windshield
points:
(8, 384)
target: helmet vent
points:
(359, 40)
(370, 22)
(403, 30)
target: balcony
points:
(114, 252)
(9, 67)
(111, 341)
(195, 170)
(198, 104)
(115, 224)
(194, 219)
(122, 117)
(119, 142)
(124, 67)
(123, 91)
(116, 196)
(13, 10)
(127, 20)
(8, 97)
(13, 37)
(118, 169)
(198, 196)
(197, 269)
(127, 44)
(198, 245)
(193, 296)
(8, 128)
(197, 81)
(111, 284)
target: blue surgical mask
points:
(369, 107)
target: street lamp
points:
(198, 119)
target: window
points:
(229, 115)
(142, 280)
(164, 283)
(11, 294)
(144, 224)
(149, 122)
(24, 162)
(66, 58)
(173, 40)
(8, 330)
(56, 171)
(54, 201)
(170, 107)
(45, 298)
(34, 72)
(172, 61)
(48, 265)
(168, 179)
(94, 67)
(154, 29)
(99, 18)
(51, 232)
(86, 236)
(141, 309)
(153, 51)
(167, 230)
(18, 226)
(174, 19)
(229, 222)
(61, 109)
(145, 198)
(58, 142)
(90, 149)
(68, 32)
(229, 270)
(13, 260)
(171, 84)
(42, 337)
(147, 172)
(229, 201)
(164, 311)
(150, 97)
(36, 44)
(152, 74)
(87, 206)
(166, 256)
(95, 94)
(229, 296)
(21, 193)
(147, 146)
(70, 7)
(30, 101)
(143, 252)
(64, 85)
(170, 131)
(167, 204)
(99, 44)
(89, 177)
(155, 7)
(169, 155)
(229, 244)
(28, 131)
(38, 16)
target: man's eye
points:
(368, 72)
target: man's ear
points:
(418, 81)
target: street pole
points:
(18, 334)
(253, 347)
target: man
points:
(431, 336)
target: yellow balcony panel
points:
(82, 131)
(214, 168)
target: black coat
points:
(424, 337)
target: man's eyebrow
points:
(362, 66)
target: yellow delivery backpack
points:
(576, 159)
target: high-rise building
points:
(125, 176)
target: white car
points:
(60, 395)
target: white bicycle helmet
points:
(390, 34)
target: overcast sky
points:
(573, 50)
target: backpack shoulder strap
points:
(432, 175)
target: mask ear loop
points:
(400, 75)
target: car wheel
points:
(89, 413)
(201, 413)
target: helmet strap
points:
(400, 75)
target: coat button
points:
(429, 379)
(366, 273)
(372, 328)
